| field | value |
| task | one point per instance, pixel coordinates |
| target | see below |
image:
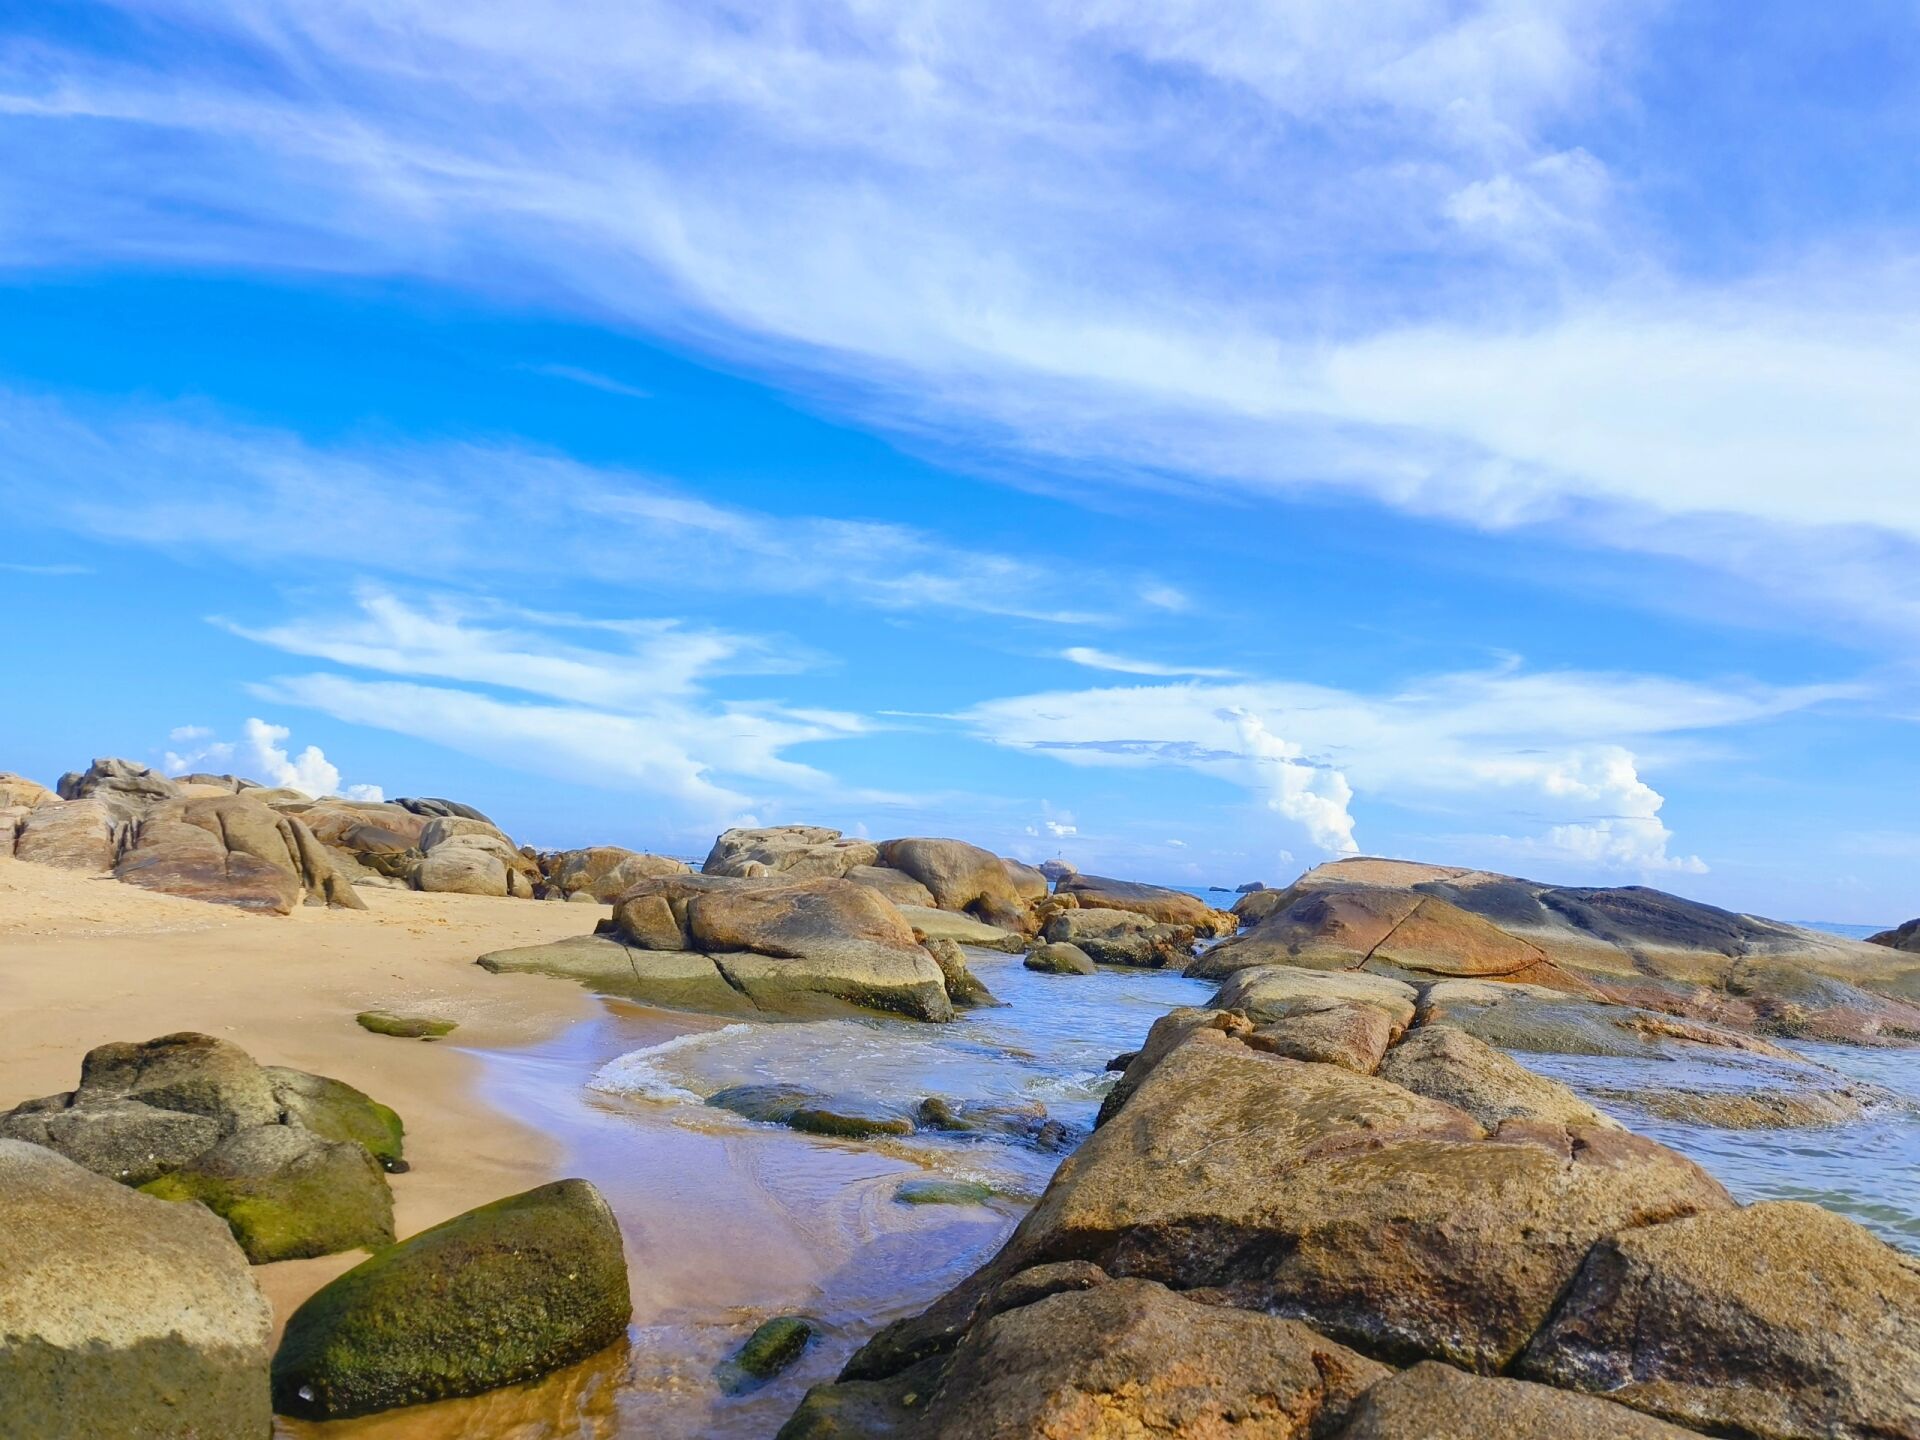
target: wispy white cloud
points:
(1094, 659)
(592, 379)
(1563, 748)
(265, 496)
(14, 567)
(634, 712)
(1411, 282)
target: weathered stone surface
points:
(800, 852)
(1118, 937)
(1166, 907)
(75, 835)
(846, 1117)
(1778, 1320)
(1167, 1034)
(1447, 1064)
(964, 988)
(606, 872)
(232, 850)
(1531, 1018)
(1129, 1358)
(1901, 937)
(772, 1347)
(497, 1296)
(1811, 1108)
(472, 863)
(1028, 883)
(961, 877)
(1027, 1122)
(675, 979)
(1437, 1402)
(1057, 957)
(122, 1140)
(122, 1315)
(1385, 1219)
(287, 1193)
(1268, 994)
(128, 790)
(25, 793)
(898, 886)
(962, 929)
(434, 808)
(197, 1074)
(1346, 1033)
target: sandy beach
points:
(85, 960)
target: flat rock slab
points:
(1437, 1402)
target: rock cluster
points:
(294, 1163)
(1630, 947)
(1255, 1243)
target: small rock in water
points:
(768, 1351)
(927, 1190)
(405, 1027)
(797, 1108)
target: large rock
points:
(143, 1109)
(1157, 903)
(1447, 1064)
(1058, 957)
(122, 1315)
(605, 872)
(335, 1110)
(1129, 1358)
(434, 808)
(1532, 1018)
(232, 850)
(1121, 937)
(1272, 993)
(1780, 1320)
(287, 1193)
(1167, 1034)
(1387, 1220)
(801, 852)
(1028, 883)
(708, 943)
(1901, 937)
(898, 886)
(127, 789)
(964, 988)
(961, 877)
(497, 1296)
(1437, 1402)
(76, 835)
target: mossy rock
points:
(929, 1190)
(842, 1117)
(335, 1110)
(768, 1351)
(769, 1104)
(288, 1194)
(405, 1027)
(497, 1296)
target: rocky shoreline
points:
(1328, 1203)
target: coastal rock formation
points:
(464, 856)
(233, 850)
(1901, 937)
(961, 877)
(18, 792)
(964, 988)
(121, 1314)
(497, 1296)
(1631, 946)
(961, 929)
(1454, 1214)
(293, 1162)
(1120, 937)
(1028, 883)
(128, 790)
(801, 852)
(77, 835)
(898, 886)
(1167, 907)
(604, 872)
(743, 946)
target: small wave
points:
(638, 1073)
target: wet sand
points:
(724, 1227)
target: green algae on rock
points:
(288, 1194)
(931, 1190)
(500, 1295)
(768, 1351)
(335, 1110)
(405, 1027)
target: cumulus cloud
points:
(262, 755)
(1561, 747)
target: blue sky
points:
(1195, 440)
